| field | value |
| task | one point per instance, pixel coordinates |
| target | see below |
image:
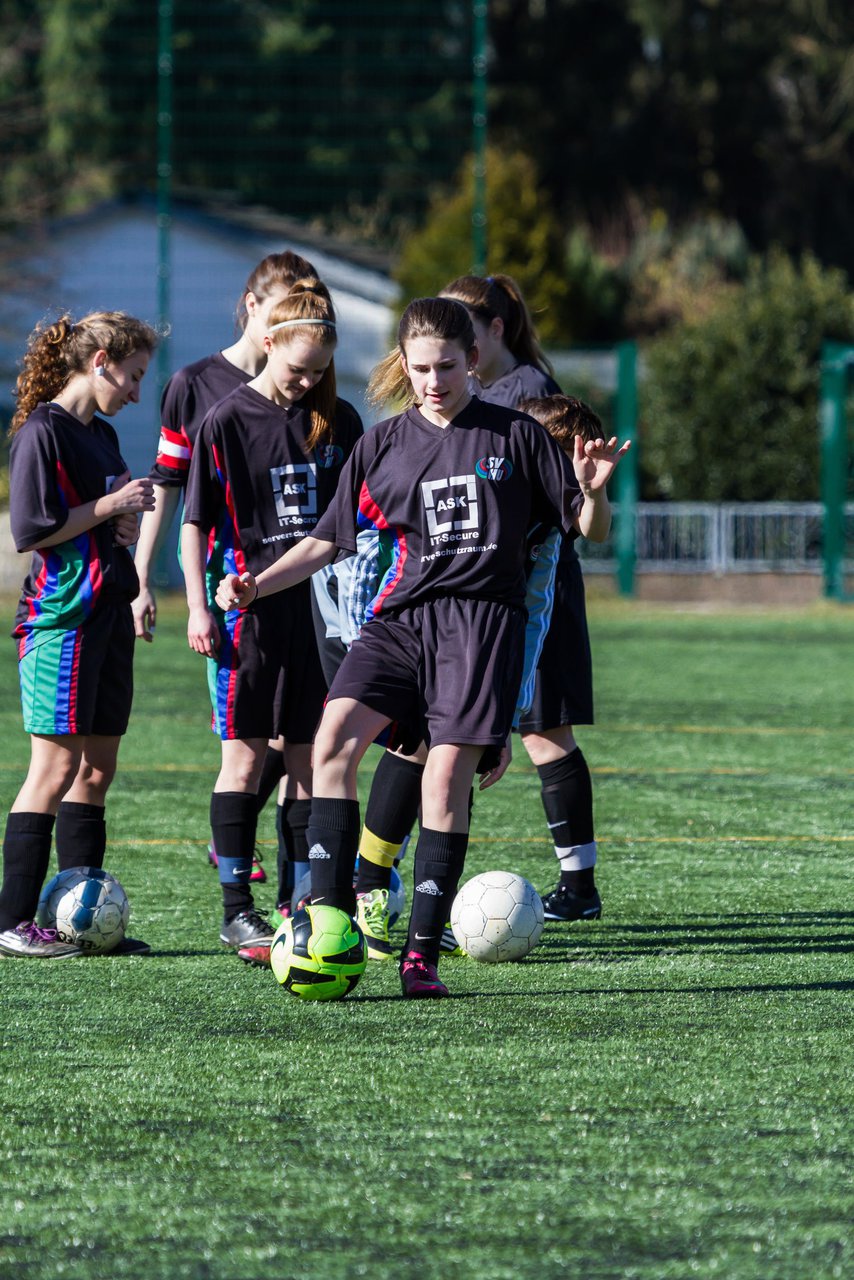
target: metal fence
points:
(705, 537)
(680, 538)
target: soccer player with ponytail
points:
(511, 370)
(74, 506)
(189, 394)
(452, 486)
(265, 467)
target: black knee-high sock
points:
(389, 817)
(292, 817)
(567, 795)
(439, 860)
(272, 772)
(26, 858)
(80, 835)
(333, 837)
(395, 797)
(234, 820)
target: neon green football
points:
(318, 953)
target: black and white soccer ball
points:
(497, 916)
(86, 906)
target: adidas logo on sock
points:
(318, 851)
(428, 886)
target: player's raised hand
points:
(236, 592)
(594, 460)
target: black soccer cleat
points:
(247, 929)
(563, 904)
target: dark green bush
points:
(729, 402)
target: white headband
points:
(289, 324)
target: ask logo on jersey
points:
(451, 508)
(494, 468)
(295, 493)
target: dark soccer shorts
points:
(446, 671)
(563, 692)
(266, 678)
(79, 681)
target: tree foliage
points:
(524, 239)
(730, 403)
(353, 113)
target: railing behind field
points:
(705, 537)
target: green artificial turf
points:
(661, 1094)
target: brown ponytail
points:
(62, 348)
(276, 271)
(491, 296)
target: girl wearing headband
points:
(265, 468)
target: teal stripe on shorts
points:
(49, 684)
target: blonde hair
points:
(491, 296)
(440, 318)
(309, 300)
(564, 417)
(62, 348)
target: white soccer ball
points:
(86, 906)
(396, 894)
(497, 916)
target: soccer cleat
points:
(372, 918)
(131, 947)
(420, 979)
(448, 944)
(257, 874)
(563, 904)
(247, 929)
(280, 914)
(259, 956)
(27, 939)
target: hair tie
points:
(290, 324)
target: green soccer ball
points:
(318, 953)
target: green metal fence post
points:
(164, 183)
(626, 476)
(835, 358)
(480, 10)
(164, 221)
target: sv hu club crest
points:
(494, 468)
(329, 456)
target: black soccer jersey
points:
(527, 382)
(188, 396)
(523, 382)
(252, 486)
(57, 462)
(452, 505)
